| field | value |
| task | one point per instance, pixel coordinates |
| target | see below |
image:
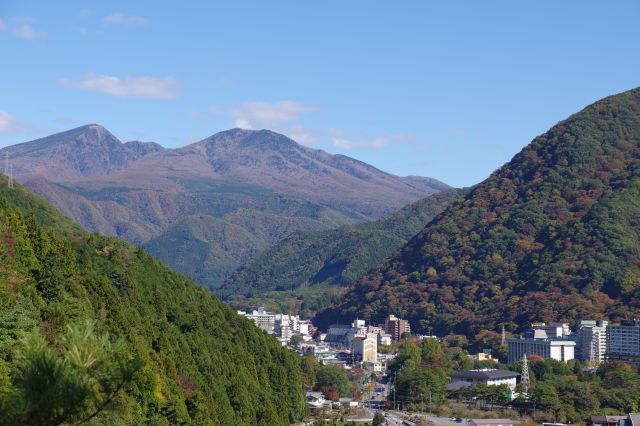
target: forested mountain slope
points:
(308, 270)
(198, 362)
(552, 235)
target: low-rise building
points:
(317, 401)
(539, 344)
(608, 420)
(347, 402)
(483, 356)
(554, 330)
(490, 377)
(384, 339)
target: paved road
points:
(444, 421)
(393, 419)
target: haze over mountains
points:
(207, 207)
(552, 235)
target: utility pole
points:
(394, 393)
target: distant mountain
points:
(552, 235)
(206, 208)
(307, 270)
(86, 151)
(198, 362)
(273, 161)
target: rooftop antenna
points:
(524, 377)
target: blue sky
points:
(450, 90)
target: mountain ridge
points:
(155, 196)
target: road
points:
(445, 421)
(393, 419)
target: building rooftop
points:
(606, 419)
(486, 374)
(634, 418)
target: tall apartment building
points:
(623, 341)
(396, 327)
(284, 326)
(591, 339)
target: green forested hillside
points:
(197, 361)
(552, 235)
(308, 270)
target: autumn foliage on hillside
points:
(552, 235)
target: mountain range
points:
(206, 208)
(553, 235)
(308, 270)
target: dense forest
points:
(95, 331)
(309, 270)
(552, 235)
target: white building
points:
(284, 326)
(384, 339)
(263, 319)
(554, 330)
(365, 348)
(558, 349)
(591, 340)
(488, 376)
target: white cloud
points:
(125, 20)
(364, 143)
(252, 115)
(3, 25)
(131, 87)
(374, 143)
(24, 28)
(7, 122)
(302, 135)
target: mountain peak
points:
(238, 138)
(86, 151)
